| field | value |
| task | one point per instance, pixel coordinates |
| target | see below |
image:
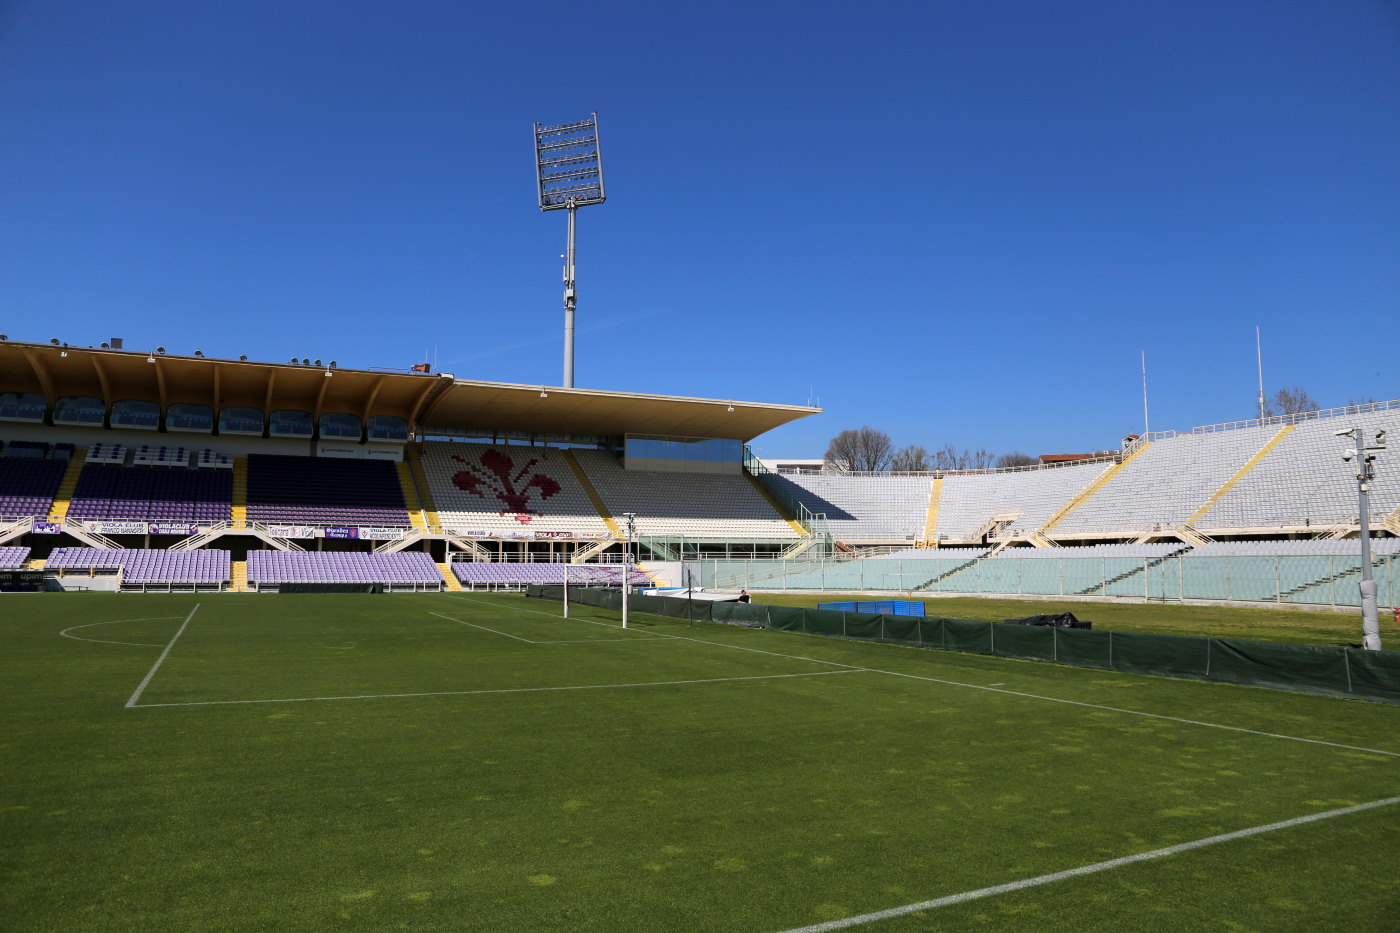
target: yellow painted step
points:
(420, 480)
(453, 584)
(935, 501)
(35, 563)
(1088, 491)
(773, 501)
(1250, 464)
(240, 491)
(63, 497)
(592, 493)
(410, 497)
(238, 576)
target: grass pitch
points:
(478, 763)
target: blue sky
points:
(957, 222)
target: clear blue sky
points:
(958, 222)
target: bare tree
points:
(1015, 458)
(948, 458)
(979, 459)
(910, 459)
(864, 451)
(1292, 401)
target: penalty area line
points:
(862, 919)
(156, 666)
(456, 693)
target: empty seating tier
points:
(862, 508)
(274, 567)
(13, 558)
(27, 485)
(693, 505)
(503, 488)
(489, 576)
(107, 491)
(146, 565)
(324, 491)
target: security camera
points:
(1346, 433)
(1349, 453)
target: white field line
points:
(1031, 696)
(455, 693)
(155, 667)
(482, 627)
(532, 641)
(108, 641)
(951, 899)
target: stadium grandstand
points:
(146, 471)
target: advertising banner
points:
(340, 532)
(117, 528)
(291, 531)
(516, 535)
(381, 534)
(468, 533)
(170, 528)
(554, 534)
(46, 528)
(594, 535)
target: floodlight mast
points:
(1364, 456)
(569, 175)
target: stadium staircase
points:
(784, 512)
(1240, 474)
(63, 496)
(35, 563)
(1191, 535)
(239, 503)
(928, 584)
(416, 513)
(1148, 565)
(1392, 523)
(238, 576)
(1377, 563)
(417, 481)
(587, 485)
(15, 529)
(935, 501)
(1087, 492)
(449, 579)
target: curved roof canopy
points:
(428, 402)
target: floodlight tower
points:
(1365, 455)
(569, 175)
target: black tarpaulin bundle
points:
(1061, 620)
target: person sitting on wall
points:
(744, 596)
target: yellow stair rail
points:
(592, 493)
(449, 579)
(935, 501)
(778, 507)
(1087, 492)
(1249, 464)
(238, 576)
(63, 496)
(239, 514)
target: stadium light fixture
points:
(629, 522)
(569, 175)
(543, 393)
(1365, 454)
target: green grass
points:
(1282, 625)
(361, 763)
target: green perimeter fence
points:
(1319, 580)
(1344, 672)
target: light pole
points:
(569, 175)
(1364, 456)
(629, 520)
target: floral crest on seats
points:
(497, 477)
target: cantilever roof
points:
(433, 401)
